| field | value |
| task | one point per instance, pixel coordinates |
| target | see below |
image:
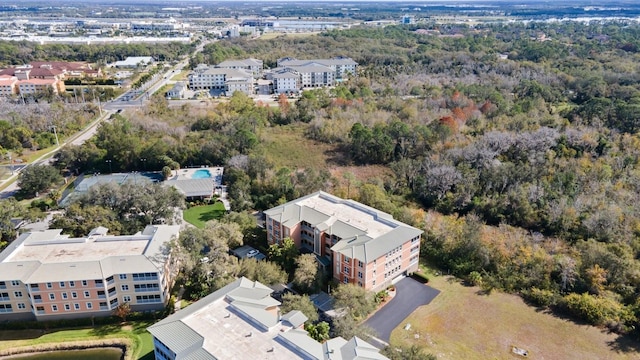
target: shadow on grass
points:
(625, 343)
(106, 329)
(211, 215)
(8, 335)
(147, 356)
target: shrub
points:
(540, 297)
(474, 278)
(597, 310)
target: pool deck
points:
(187, 174)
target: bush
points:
(540, 297)
(474, 278)
(597, 310)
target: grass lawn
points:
(135, 331)
(199, 215)
(461, 324)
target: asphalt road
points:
(410, 294)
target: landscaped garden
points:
(198, 215)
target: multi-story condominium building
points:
(359, 244)
(33, 86)
(252, 66)
(242, 321)
(45, 275)
(229, 80)
(8, 85)
(341, 66)
(285, 80)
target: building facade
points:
(45, 275)
(359, 244)
(243, 321)
(227, 80)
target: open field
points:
(199, 215)
(288, 146)
(136, 332)
(461, 324)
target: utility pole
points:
(56, 134)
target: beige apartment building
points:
(359, 244)
(45, 275)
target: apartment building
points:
(45, 275)
(8, 85)
(251, 66)
(242, 321)
(341, 66)
(34, 86)
(357, 243)
(228, 80)
(285, 80)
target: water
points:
(90, 354)
(201, 174)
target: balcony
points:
(40, 312)
(102, 296)
(104, 307)
(4, 298)
(37, 301)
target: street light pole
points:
(56, 134)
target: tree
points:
(265, 272)
(319, 331)
(355, 300)
(347, 327)
(284, 254)
(305, 276)
(302, 303)
(413, 352)
(9, 209)
(37, 178)
(78, 221)
(122, 311)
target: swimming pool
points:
(201, 174)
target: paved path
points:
(410, 294)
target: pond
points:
(89, 354)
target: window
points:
(67, 307)
(35, 287)
(6, 308)
(17, 293)
(146, 287)
(346, 259)
(65, 296)
(76, 306)
(360, 264)
(98, 282)
(86, 294)
(61, 284)
(89, 306)
(124, 287)
(21, 306)
(347, 270)
(49, 285)
(140, 299)
(72, 283)
(52, 296)
(3, 285)
(359, 274)
(15, 283)
(84, 283)
(54, 307)
(145, 276)
(345, 280)
(123, 276)
(74, 295)
(126, 298)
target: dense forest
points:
(514, 146)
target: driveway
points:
(410, 294)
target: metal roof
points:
(192, 187)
